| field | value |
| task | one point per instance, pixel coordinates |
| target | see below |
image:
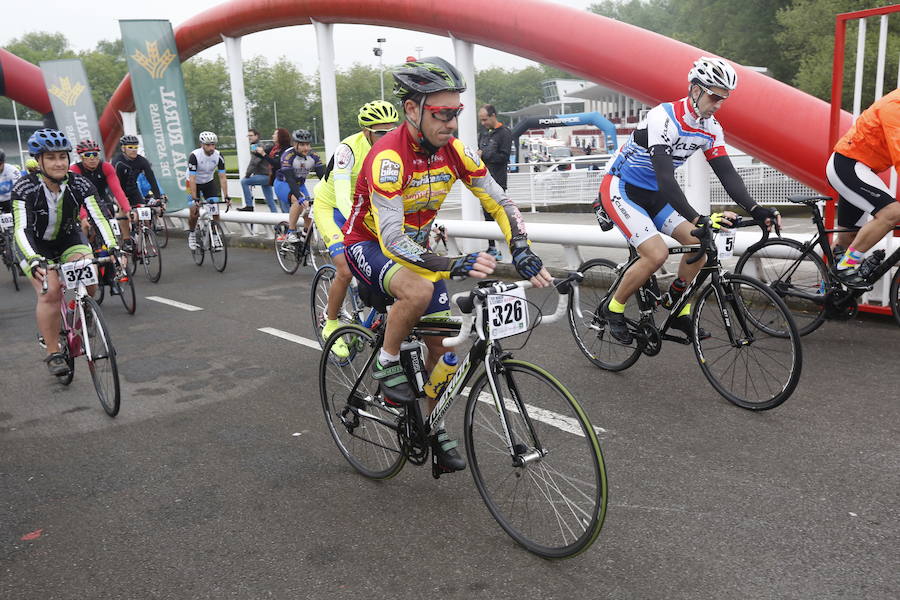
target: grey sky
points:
(85, 24)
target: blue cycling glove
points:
(461, 265)
(527, 262)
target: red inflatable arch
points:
(767, 119)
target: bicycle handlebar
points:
(704, 234)
(469, 301)
(57, 266)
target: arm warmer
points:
(665, 180)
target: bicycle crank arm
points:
(676, 338)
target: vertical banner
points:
(160, 101)
(70, 97)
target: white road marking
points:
(291, 337)
(562, 422)
(174, 303)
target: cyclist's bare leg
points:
(653, 253)
(873, 231)
(412, 294)
(46, 311)
(338, 290)
(682, 233)
(294, 215)
(193, 215)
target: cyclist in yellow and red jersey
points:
(402, 184)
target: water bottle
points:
(676, 290)
(602, 218)
(441, 375)
(870, 263)
(413, 364)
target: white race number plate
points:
(725, 243)
(213, 209)
(79, 271)
(508, 313)
(144, 213)
(6, 220)
(114, 223)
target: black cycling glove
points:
(527, 262)
(761, 213)
(461, 265)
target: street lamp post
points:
(378, 52)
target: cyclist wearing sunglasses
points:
(129, 165)
(640, 193)
(402, 184)
(103, 176)
(334, 197)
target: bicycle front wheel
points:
(70, 361)
(550, 493)
(218, 246)
(199, 253)
(895, 296)
(749, 348)
(150, 255)
(129, 298)
(362, 425)
(799, 278)
(161, 229)
(101, 357)
(318, 302)
(318, 251)
(586, 319)
(285, 252)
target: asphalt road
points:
(218, 479)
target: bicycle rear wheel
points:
(589, 329)
(151, 256)
(801, 280)
(318, 301)
(362, 425)
(551, 496)
(101, 357)
(285, 252)
(218, 247)
(318, 251)
(129, 298)
(895, 296)
(70, 361)
(760, 367)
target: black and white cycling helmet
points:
(710, 71)
(208, 137)
(128, 140)
(302, 135)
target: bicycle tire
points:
(131, 257)
(318, 298)
(102, 358)
(589, 331)
(373, 449)
(801, 273)
(14, 271)
(151, 256)
(285, 252)
(161, 229)
(70, 361)
(218, 246)
(771, 356)
(199, 253)
(318, 251)
(129, 298)
(570, 474)
(895, 296)
(9, 258)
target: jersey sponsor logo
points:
(343, 157)
(389, 172)
(359, 257)
(472, 153)
(407, 249)
(428, 179)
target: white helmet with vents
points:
(208, 137)
(710, 71)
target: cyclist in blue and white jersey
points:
(641, 196)
(8, 176)
(203, 164)
(297, 162)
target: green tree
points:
(355, 87)
(208, 93)
(280, 88)
(105, 67)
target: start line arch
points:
(772, 121)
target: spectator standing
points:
(258, 172)
(281, 141)
(494, 147)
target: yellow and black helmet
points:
(378, 112)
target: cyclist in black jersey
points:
(129, 165)
(46, 227)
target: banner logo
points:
(154, 62)
(66, 92)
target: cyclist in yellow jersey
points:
(334, 198)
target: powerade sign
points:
(560, 121)
(160, 101)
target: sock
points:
(616, 306)
(686, 310)
(331, 322)
(292, 231)
(852, 258)
(384, 357)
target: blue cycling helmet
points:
(48, 140)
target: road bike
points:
(113, 274)
(798, 273)
(310, 250)
(533, 452)
(210, 236)
(158, 219)
(145, 248)
(743, 335)
(8, 249)
(83, 330)
(353, 310)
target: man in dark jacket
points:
(494, 146)
(258, 172)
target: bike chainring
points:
(841, 305)
(649, 339)
(410, 441)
